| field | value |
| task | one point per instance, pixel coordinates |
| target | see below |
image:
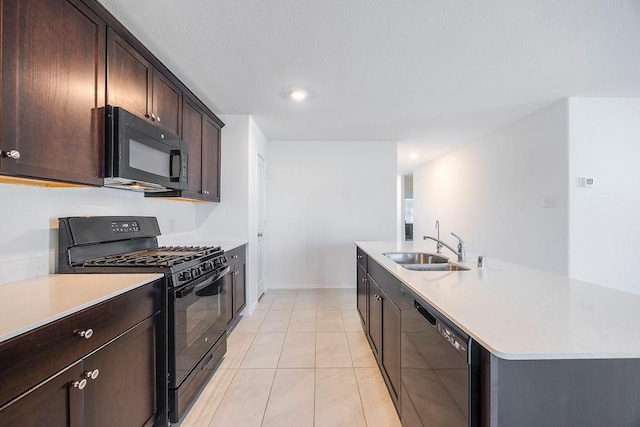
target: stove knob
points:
(187, 275)
(195, 272)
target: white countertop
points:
(518, 313)
(227, 245)
(28, 304)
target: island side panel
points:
(583, 392)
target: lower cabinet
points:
(116, 384)
(375, 317)
(390, 346)
(124, 372)
(54, 403)
(384, 336)
(362, 303)
(381, 320)
(236, 285)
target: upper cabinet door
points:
(192, 134)
(211, 160)
(129, 78)
(134, 84)
(166, 103)
(53, 74)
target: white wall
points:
(234, 218)
(321, 197)
(228, 219)
(28, 218)
(604, 143)
(490, 193)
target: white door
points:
(262, 260)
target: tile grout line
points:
(315, 384)
(364, 413)
(213, 415)
(275, 371)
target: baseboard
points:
(310, 286)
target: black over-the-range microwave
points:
(141, 156)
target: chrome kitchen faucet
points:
(461, 251)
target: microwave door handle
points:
(175, 164)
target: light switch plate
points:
(549, 202)
(586, 182)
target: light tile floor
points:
(301, 359)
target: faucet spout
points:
(460, 251)
(440, 244)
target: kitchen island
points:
(552, 350)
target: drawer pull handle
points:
(86, 334)
(234, 256)
(92, 374)
(11, 154)
(359, 256)
(80, 384)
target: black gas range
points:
(196, 305)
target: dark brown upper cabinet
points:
(202, 132)
(53, 80)
(62, 62)
(136, 85)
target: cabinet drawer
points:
(236, 255)
(361, 257)
(29, 358)
(386, 281)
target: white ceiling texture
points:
(429, 74)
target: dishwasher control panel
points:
(452, 338)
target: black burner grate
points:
(165, 256)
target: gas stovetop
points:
(129, 245)
(165, 256)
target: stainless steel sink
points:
(422, 261)
(416, 258)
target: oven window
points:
(199, 320)
(145, 158)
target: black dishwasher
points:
(440, 369)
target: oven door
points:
(197, 319)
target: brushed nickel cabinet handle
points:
(86, 333)
(92, 374)
(80, 384)
(11, 154)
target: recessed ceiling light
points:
(297, 95)
(413, 156)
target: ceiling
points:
(429, 74)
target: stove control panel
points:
(205, 267)
(124, 226)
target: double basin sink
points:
(422, 261)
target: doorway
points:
(261, 227)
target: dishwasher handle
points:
(425, 313)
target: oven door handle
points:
(181, 293)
